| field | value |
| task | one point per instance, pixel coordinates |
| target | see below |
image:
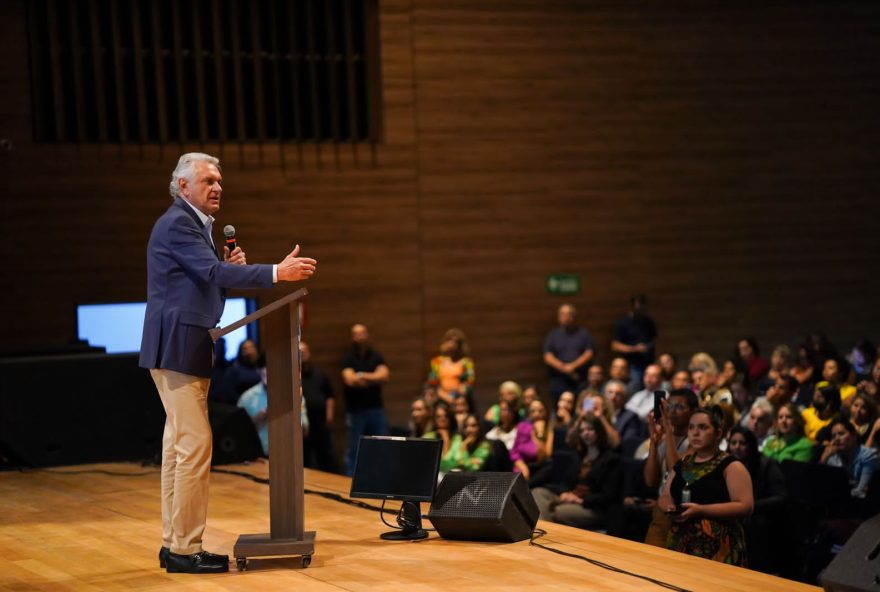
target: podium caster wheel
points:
(241, 563)
(306, 560)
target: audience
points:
(619, 370)
(595, 378)
(835, 372)
(871, 385)
(863, 415)
(318, 449)
(634, 338)
(642, 402)
(769, 492)
(708, 496)
(759, 420)
(627, 424)
(533, 442)
(452, 372)
(668, 442)
(568, 350)
(788, 441)
(363, 373)
(712, 456)
(845, 451)
(508, 417)
(583, 501)
(668, 367)
(510, 392)
(468, 449)
(749, 357)
(421, 418)
(461, 408)
(680, 380)
(565, 409)
(825, 408)
(240, 375)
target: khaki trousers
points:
(186, 459)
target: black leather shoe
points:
(196, 563)
(216, 558)
(164, 551)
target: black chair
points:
(499, 459)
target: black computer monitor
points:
(403, 469)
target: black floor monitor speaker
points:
(484, 507)
(235, 437)
(857, 567)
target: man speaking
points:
(186, 292)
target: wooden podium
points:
(281, 333)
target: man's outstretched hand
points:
(294, 268)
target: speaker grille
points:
(471, 497)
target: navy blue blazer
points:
(186, 292)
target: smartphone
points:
(587, 405)
(658, 409)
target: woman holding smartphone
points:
(708, 495)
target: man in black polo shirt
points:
(363, 373)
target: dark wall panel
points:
(720, 158)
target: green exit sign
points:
(563, 283)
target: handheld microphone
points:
(229, 232)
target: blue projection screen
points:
(118, 326)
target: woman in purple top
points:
(534, 440)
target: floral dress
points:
(719, 540)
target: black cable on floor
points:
(541, 532)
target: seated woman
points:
(768, 489)
(845, 451)
(452, 372)
(505, 431)
(421, 418)
(788, 441)
(529, 394)
(708, 495)
(512, 393)
(863, 415)
(468, 450)
(533, 444)
(836, 372)
(597, 484)
(597, 406)
(461, 407)
(444, 428)
(565, 414)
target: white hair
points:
(186, 169)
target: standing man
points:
(318, 392)
(634, 338)
(568, 350)
(186, 292)
(363, 373)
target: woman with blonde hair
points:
(510, 392)
(452, 372)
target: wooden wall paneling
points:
(719, 158)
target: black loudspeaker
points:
(484, 507)
(857, 567)
(235, 437)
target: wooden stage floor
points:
(78, 528)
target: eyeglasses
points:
(677, 406)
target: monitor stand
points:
(410, 520)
